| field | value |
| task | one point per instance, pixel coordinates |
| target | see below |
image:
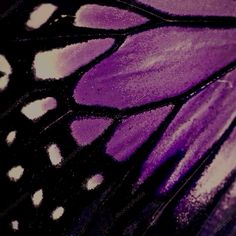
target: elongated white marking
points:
(57, 213)
(37, 197)
(58, 63)
(38, 108)
(11, 137)
(40, 15)
(15, 173)
(94, 182)
(54, 154)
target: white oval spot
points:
(38, 108)
(37, 197)
(5, 68)
(15, 173)
(40, 15)
(15, 225)
(54, 154)
(57, 213)
(11, 137)
(94, 181)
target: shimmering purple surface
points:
(212, 181)
(222, 216)
(86, 130)
(190, 7)
(106, 17)
(155, 65)
(133, 131)
(200, 123)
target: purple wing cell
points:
(133, 131)
(155, 65)
(197, 126)
(105, 17)
(223, 214)
(60, 62)
(86, 130)
(211, 181)
(191, 7)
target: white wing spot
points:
(15, 173)
(40, 15)
(11, 137)
(5, 68)
(54, 154)
(37, 197)
(94, 181)
(57, 213)
(38, 108)
(15, 225)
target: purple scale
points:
(210, 183)
(194, 7)
(223, 214)
(155, 65)
(197, 126)
(86, 130)
(105, 17)
(134, 131)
